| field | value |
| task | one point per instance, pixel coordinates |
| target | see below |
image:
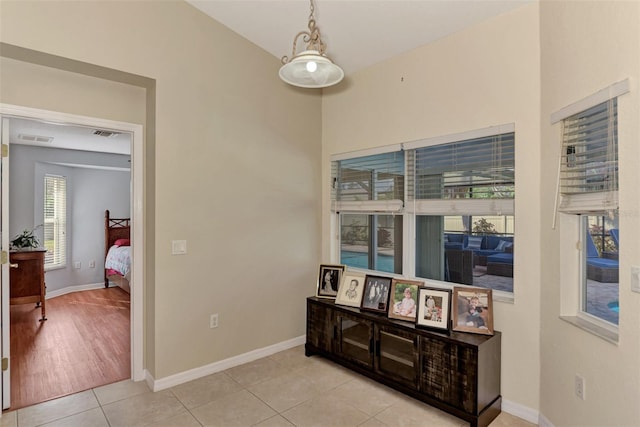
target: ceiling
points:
(358, 33)
(58, 135)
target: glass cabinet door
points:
(397, 355)
(355, 339)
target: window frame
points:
(410, 209)
(573, 226)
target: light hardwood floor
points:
(85, 343)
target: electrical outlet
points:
(580, 387)
(92, 264)
(213, 321)
(77, 265)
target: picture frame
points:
(402, 299)
(434, 309)
(351, 289)
(473, 310)
(376, 293)
(329, 280)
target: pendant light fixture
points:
(311, 68)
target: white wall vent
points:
(35, 138)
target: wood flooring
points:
(85, 343)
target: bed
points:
(117, 251)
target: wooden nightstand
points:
(26, 278)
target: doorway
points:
(135, 146)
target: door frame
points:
(137, 212)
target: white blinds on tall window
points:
(589, 161)
(55, 220)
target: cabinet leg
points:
(43, 308)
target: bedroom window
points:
(55, 221)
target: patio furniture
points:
(459, 266)
(482, 246)
(500, 264)
(615, 236)
(602, 270)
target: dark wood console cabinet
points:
(26, 279)
(457, 373)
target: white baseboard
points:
(203, 371)
(509, 407)
(544, 422)
(520, 411)
(69, 289)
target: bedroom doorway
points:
(136, 214)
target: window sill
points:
(501, 296)
(592, 328)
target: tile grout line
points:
(104, 414)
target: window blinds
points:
(55, 220)
(370, 183)
(589, 160)
(475, 176)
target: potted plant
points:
(25, 240)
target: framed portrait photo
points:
(434, 309)
(329, 280)
(473, 310)
(351, 289)
(402, 299)
(376, 293)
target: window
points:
(600, 269)
(589, 190)
(462, 193)
(55, 221)
(439, 209)
(368, 194)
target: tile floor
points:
(285, 389)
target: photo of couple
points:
(376, 293)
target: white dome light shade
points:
(298, 72)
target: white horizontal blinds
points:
(369, 183)
(590, 150)
(474, 176)
(589, 160)
(55, 220)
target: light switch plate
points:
(635, 279)
(178, 247)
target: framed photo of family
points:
(376, 293)
(329, 280)
(473, 310)
(402, 299)
(434, 309)
(351, 289)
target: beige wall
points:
(36, 86)
(236, 163)
(484, 76)
(585, 47)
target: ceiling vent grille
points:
(105, 133)
(35, 138)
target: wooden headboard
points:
(114, 229)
